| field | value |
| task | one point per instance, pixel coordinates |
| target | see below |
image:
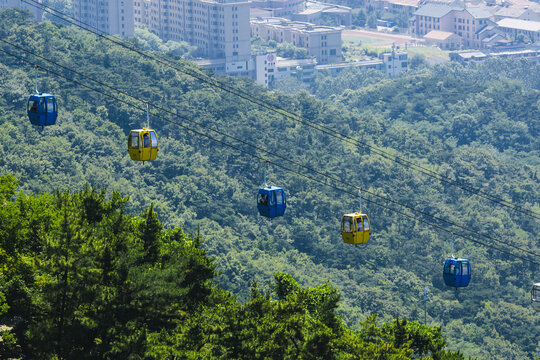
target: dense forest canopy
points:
(467, 123)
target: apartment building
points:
(113, 17)
(35, 10)
(219, 29)
(322, 42)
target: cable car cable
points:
(271, 153)
(329, 131)
(285, 168)
(318, 172)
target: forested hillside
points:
(81, 279)
(464, 123)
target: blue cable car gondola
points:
(42, 108)
(271, 200)
(457, 271)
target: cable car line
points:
(296, 163)
(286, 168)
(333, 178)
(329, 131)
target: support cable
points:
(289, 169)
(322, 128)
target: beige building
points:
(219, 29)
(35, 10)
(443, 39)
(113, 17)
(465, 22)
(322, 42)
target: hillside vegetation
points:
(467, 123)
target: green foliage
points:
(286, 49)
(102, 284)
(150, 41)
(93, 242)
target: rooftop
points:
(522, 4)
(348, 64)
(519, 24)
(479, 12)
(434, 10)
(471, 54)
(413, 3)
(510, 12)
(295, 25)
(281, 62)
(438, 35)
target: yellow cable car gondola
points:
(143, 143)
(355, 228)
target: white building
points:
(35, 10)
(113, 17)
(396, 62)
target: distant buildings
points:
(392, 63)
(322, 42)
(479, 26)
(467, 56)
(465, 22)
(113, 17)
(35, 10)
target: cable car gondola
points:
(535, 296)
(143, 143)
(42, 108)
(355, 227)
(271, 200)
(456, 271)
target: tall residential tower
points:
(219, 29)
(113, 17)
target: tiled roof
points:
(413, 3)
(433, 10)
(510, 12)
(479, 13)
(438, 35)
